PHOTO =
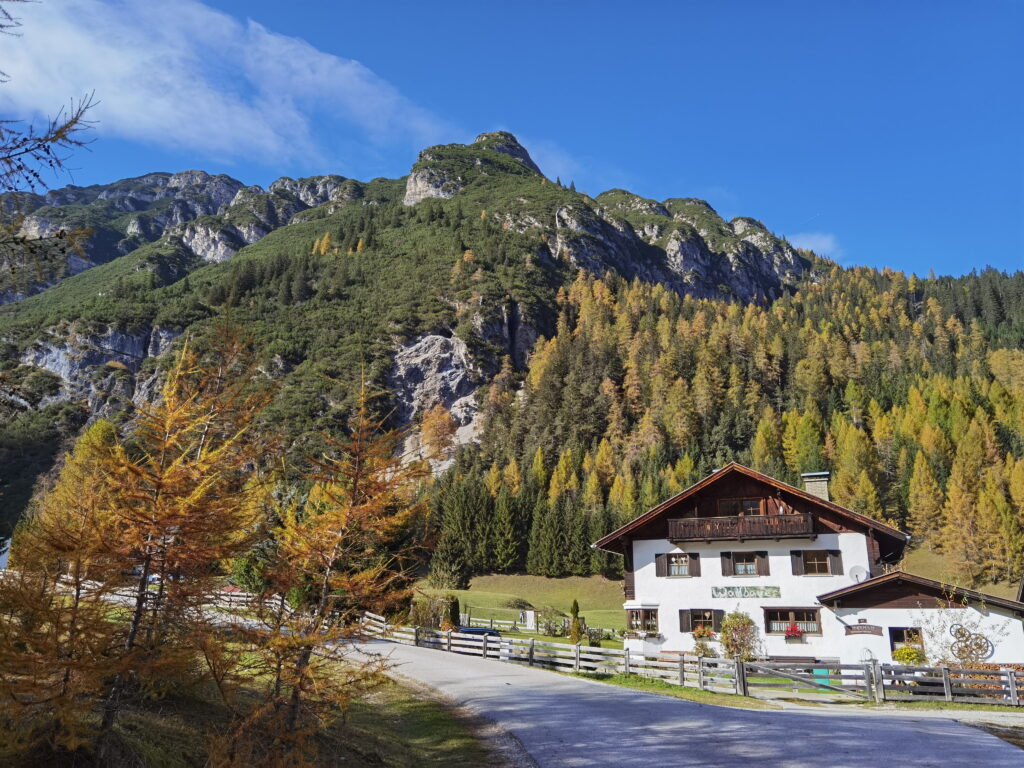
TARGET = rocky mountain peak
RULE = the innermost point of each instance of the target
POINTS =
(507, 144)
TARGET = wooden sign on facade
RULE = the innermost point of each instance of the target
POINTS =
(863, 629)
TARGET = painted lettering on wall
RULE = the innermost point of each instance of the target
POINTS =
(746, 592)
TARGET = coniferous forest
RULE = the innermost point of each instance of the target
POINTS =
(911, 391)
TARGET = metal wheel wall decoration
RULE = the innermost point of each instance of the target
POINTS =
(970, 646)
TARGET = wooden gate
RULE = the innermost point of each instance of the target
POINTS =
(850, 679)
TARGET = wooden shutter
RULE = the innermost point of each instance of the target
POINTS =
(796, 556)
(835, 562)
(694, 563)
(761, 563)
(716, 617)
(727, 569)
(629, 579)
(661, 565)
(685, 621)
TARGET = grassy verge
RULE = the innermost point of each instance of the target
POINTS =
(653, 685)
(489, 597)
(393, 726)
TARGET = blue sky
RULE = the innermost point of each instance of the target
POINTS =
(880, 133)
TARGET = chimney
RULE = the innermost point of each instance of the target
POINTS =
(816, 484)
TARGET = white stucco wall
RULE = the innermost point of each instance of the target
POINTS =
(1005, 631)
(670, 594)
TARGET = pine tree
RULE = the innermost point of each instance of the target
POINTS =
(506, 533)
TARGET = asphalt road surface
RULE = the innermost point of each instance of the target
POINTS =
(565, 721)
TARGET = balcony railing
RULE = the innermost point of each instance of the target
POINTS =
(746, 527)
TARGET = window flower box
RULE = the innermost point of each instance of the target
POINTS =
(794, 633)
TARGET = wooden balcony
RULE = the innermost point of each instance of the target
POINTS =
(747, 527)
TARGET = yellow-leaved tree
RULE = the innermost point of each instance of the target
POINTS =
(346, 545)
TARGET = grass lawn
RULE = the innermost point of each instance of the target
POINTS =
(933, 565)
(488, 597)
(564, 640)
(653, 685)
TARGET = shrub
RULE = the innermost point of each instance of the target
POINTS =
(739, 636)
(910, 655)
(518, 604)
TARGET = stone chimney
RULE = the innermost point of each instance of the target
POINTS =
(816, 484)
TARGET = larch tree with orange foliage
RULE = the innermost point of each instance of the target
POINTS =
(347, 545)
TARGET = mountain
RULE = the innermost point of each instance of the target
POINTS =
(425, 283)
(597, 353)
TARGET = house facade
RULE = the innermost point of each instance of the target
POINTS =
(817, 579)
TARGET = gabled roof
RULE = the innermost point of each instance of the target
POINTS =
(731, 468)
(929, 585)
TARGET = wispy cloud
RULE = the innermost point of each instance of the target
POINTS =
(822, 243)
(181, 75)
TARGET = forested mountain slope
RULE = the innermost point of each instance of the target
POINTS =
(423, 283)
(605, 351)
(910, 391)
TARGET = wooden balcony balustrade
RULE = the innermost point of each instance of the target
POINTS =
(744, 527)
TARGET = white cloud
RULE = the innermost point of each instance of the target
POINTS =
(181, 75)
(822, 243)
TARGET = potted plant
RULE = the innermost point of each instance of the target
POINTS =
(793, 633)
(702, 636)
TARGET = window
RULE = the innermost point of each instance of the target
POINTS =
(677, 564)
(816, 562)
(744, 564)
(777, 620)
(643, 620)
(700, 618)
(739, 507)
(900, 637)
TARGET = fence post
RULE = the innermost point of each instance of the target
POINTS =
(700, 672)
(947, 688)
(1011, 681)
(416, 636)
(682, 669)
(869, 690)
(484, 647)
(876, 669)
(531, 651)
(576, 659)
(449, 641)
(625, 662)
(740, 677)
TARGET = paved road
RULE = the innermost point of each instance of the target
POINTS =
(564, 721)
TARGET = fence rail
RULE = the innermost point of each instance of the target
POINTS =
(862, 681)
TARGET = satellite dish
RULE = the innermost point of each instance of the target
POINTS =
(858, 573)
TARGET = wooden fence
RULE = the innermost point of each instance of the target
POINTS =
(869, 681)
(709, 674)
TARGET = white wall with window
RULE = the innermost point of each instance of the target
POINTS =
(930, 627)
(776, 583)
